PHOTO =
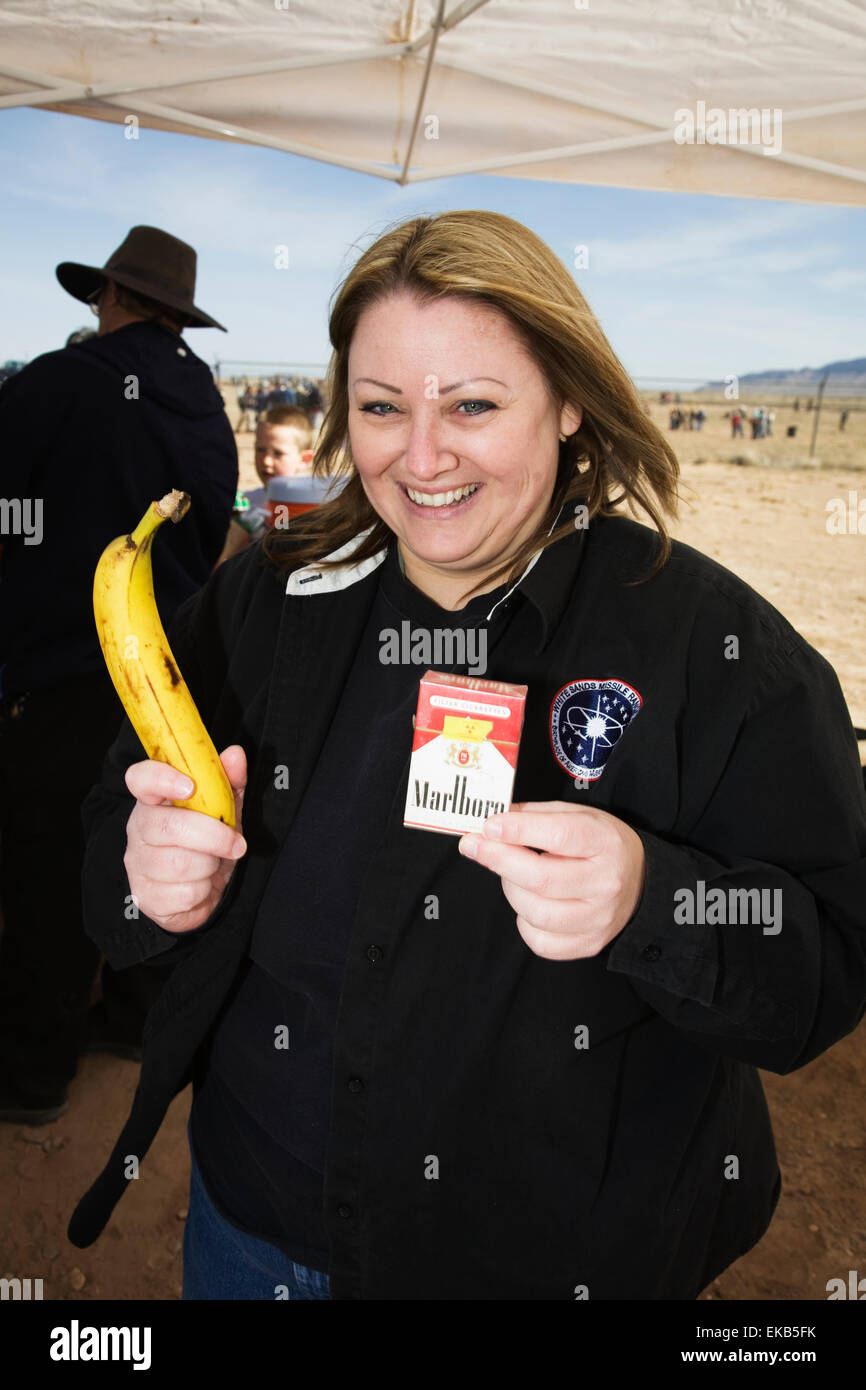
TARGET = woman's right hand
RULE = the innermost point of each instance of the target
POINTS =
(179, 861)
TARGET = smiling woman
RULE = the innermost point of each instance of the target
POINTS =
(462, 482)
(473, 395)
(512, 1065)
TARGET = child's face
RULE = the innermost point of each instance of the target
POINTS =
(278, 452)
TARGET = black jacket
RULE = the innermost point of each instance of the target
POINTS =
(97, 432)
(563, 1170)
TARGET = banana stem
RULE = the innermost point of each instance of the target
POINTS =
(172, 507)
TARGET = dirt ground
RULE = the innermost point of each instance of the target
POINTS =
(767, 522)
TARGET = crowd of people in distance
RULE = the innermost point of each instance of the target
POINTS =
(695, 419)
(256, 401)
(760, 420)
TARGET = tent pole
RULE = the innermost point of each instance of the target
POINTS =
(254, 137)
(450, 21)
(508, 161)
(71, 91)
(803, 161)
(838, 108)
(437, 23)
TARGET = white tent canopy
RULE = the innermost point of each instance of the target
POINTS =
(749, 98)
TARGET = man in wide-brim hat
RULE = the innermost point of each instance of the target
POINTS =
(156, 269)
(90, 436)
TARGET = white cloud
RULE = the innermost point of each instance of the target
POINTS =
(758, 241)
(840, 279)
(750, 339)
(236, 208)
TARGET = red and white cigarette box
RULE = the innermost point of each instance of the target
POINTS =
(464, 754)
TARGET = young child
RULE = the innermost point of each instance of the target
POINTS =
(284, 447)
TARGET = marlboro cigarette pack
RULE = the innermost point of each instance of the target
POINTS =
(464, 754)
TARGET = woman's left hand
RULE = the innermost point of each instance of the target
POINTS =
(580, 891)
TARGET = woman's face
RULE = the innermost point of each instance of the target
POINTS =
(455, 436)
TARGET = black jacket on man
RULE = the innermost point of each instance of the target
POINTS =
(598, 1126)
(97, 432)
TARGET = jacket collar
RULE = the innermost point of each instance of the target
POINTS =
(547, 580)
(550, 584)
(313, 580)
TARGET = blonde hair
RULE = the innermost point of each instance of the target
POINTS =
(291, 417)
(485, 257)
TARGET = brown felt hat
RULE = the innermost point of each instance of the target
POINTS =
(148, 261)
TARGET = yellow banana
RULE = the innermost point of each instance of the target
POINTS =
(142, 666)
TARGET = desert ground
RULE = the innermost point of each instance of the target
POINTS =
(764, 518)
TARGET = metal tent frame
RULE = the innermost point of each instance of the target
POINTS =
(47, 90)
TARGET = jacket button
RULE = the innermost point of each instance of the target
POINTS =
(344, 1211)
(355, 1083)
(374, 953)
(652, 951)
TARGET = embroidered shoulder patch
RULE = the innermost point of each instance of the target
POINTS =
(587, 720)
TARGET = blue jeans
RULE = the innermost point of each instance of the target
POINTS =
(219, 1261)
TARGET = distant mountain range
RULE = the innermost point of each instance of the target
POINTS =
(845, 379)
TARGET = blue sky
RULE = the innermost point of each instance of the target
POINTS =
(685, 286)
